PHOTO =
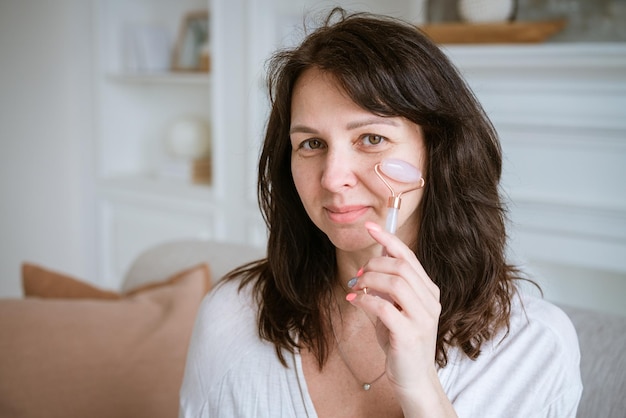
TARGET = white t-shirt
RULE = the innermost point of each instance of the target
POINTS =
(532, 372)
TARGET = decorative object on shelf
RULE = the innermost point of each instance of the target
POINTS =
(146, 48)
(188, 143)
(493, 33)
(439, 11)
(191, 52)
(486, 11)
(189, 137)
(559, 20)
(205, 58)
(485, 21)
(588, 20)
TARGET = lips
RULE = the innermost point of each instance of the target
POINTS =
(346, 214)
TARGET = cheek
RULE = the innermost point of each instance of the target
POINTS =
(303, 177)
(411, 205)
(410, 216)
(377, 187)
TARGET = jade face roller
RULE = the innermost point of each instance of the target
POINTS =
(401, 172)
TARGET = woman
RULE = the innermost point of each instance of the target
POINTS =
(327, 325)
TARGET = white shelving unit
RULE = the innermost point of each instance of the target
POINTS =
(134, 108)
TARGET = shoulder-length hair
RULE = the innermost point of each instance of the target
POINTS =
(389, 68)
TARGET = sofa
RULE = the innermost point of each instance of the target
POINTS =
(71, 349)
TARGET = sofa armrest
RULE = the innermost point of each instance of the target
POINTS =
(602, 339)
(164, 260)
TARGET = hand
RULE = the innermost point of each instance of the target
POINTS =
(407, 313)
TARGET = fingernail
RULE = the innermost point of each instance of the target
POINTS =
(352, 282)
(373, 226)
(350, 297)
(360, 272)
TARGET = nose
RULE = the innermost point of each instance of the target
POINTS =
(339, 171)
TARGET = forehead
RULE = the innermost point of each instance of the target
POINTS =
(312, 79)
(319, 93)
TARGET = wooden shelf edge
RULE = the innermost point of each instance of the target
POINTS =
(494, 33)
(173, 77)
(147, 185)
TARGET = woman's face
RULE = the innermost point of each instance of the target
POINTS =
(335, 146)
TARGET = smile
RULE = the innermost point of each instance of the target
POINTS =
(346, 214)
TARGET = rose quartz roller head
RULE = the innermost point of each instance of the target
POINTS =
(398, 171)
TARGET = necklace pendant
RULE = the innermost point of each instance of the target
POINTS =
(366, 386)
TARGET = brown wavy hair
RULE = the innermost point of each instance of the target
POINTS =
(390, 68)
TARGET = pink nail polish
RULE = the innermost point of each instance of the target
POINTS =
(360, 272)
(350, 297)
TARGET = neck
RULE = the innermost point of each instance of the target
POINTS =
(348, 263)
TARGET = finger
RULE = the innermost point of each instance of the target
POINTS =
(376, 307)
(400, 328)
(397, 249)
(424, 322)
(394, 247)
(393, 279)
(405, 294)
(388, 273)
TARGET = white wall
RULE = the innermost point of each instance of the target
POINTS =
(45, 139)
(560, 110)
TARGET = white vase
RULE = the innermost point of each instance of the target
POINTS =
(484, 11)
(188, 137)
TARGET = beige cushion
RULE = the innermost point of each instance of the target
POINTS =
(96, 357)
(41, 282)
(164, 259)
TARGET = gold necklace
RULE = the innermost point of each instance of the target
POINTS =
(364, 385)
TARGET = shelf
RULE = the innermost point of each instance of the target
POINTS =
(161, 78)
(493, 33)
(605, 61)
(145, 186)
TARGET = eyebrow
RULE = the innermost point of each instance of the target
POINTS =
(376, 120)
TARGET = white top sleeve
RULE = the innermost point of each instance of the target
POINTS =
(533, 371)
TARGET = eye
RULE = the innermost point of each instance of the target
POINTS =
(312, 144)
(371, 139)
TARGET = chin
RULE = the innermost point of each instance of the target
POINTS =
(352, 240)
